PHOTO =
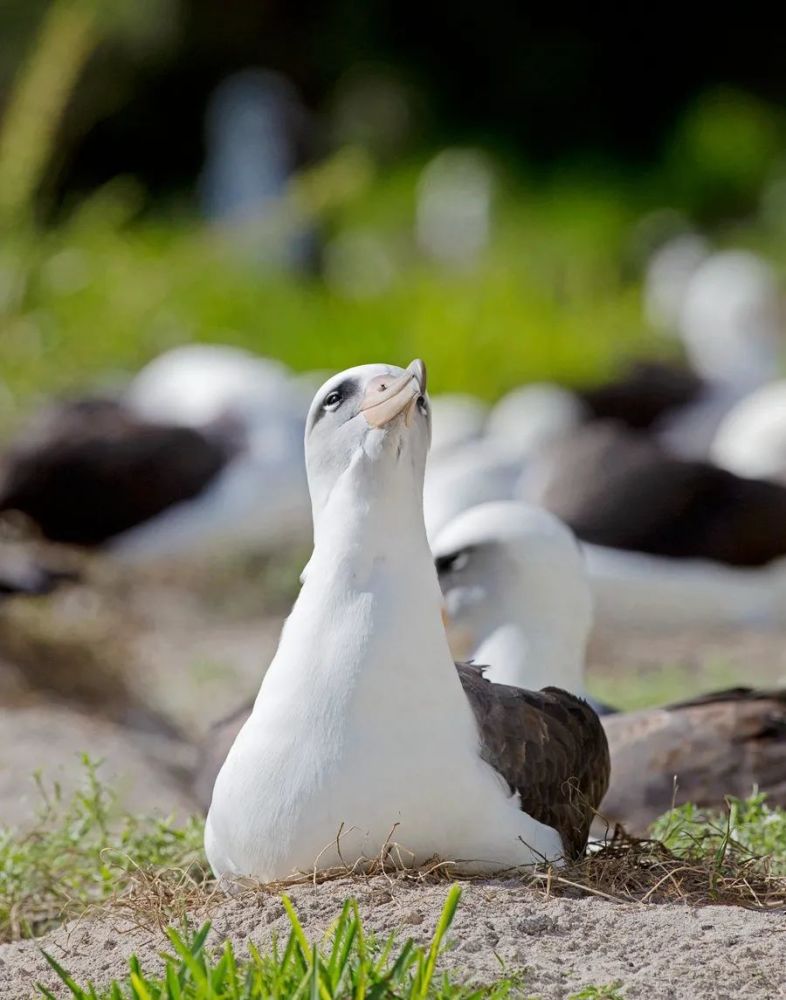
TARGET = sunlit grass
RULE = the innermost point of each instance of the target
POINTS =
(350, 965)
(81, 852)
(100, 294)
(752, 824)
(670, 682)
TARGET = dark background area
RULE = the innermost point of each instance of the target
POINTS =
(540, 88)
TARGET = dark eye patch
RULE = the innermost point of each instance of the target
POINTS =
(345, 389)
(451, 561)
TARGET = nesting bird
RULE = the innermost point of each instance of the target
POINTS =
(516, 594)
(622, 490)
(364, 729)
(203, 448)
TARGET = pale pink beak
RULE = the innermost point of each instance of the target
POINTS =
(386, 397)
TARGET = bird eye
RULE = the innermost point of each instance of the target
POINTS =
(423, 405)
(452, 563)
(332, 401)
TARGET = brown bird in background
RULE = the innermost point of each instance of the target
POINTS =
(720, 744)
(621, 490)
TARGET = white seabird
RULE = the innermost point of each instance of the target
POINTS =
(474, 472)
(489, 467)
(751, 439)
(516, 595)
(731, 324)
(515, 590)
(456, 417)
(260, 495)
(204, 448)
(364, 731)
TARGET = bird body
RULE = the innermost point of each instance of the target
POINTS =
(89, 469)
(364, 733)
(202, 450)
(727, 743)
(619, 489)
(638, 589)
(724, 743)
(516, 594)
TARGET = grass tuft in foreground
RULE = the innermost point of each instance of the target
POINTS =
(81, 853)
(349, 964)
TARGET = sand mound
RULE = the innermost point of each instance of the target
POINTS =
(666, 951)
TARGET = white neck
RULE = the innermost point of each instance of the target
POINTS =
(530, 652)
(366, 626)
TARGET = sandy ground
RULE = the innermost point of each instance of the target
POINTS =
(559, 945)
(693, 659)
(145, 771)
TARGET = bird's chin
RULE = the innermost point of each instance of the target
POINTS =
(390, 441)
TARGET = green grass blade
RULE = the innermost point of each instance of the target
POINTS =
(346, 933)
(293, 955)
(141, 992)
(314, 993)
(233, 986)
(297, 927)
(173, 984)
(361, 970)
(65, 977)
(445, 920)
(189, 955)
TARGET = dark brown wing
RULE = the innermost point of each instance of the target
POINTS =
(719, 744)
(645, 392)
(727, 695)
(619, 489)
(549, 746)
(89, 469)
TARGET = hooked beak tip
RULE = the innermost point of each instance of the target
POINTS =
(385, 399)
(418, 369)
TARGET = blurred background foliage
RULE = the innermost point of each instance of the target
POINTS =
(586, 152)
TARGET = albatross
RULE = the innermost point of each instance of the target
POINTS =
(201, 449)
(516, 593)
(365, 731)
(618, 489)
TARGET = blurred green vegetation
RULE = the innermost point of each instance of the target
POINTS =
(102, 292)
(659, 685)
(556, 294)
(114, 278)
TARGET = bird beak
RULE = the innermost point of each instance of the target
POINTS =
(460, 639)
(385, 399)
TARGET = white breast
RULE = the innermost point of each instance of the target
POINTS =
(361, 725)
